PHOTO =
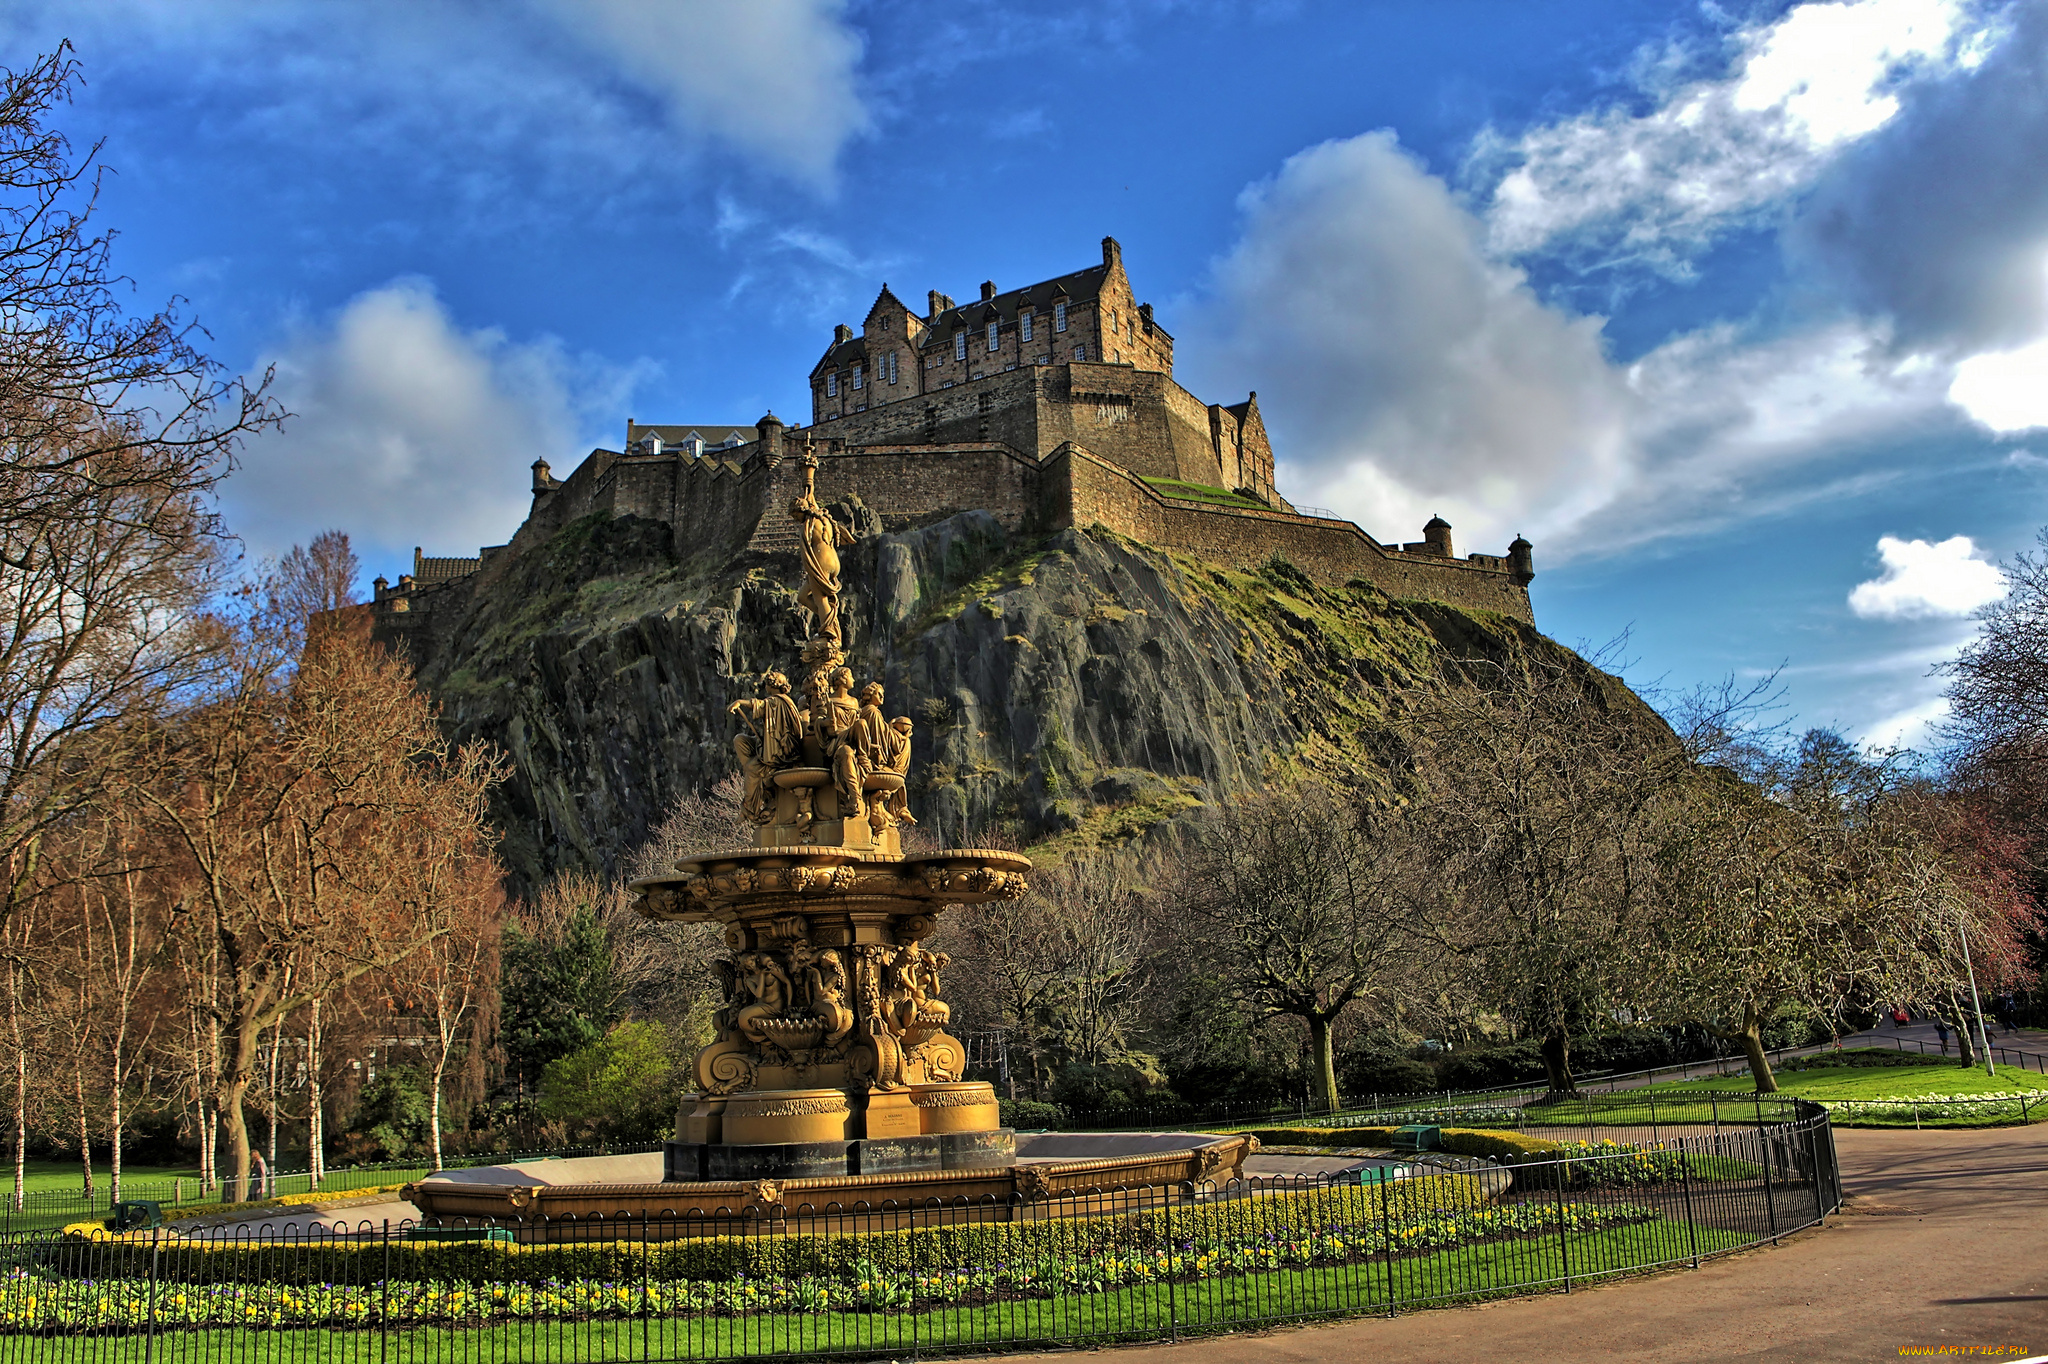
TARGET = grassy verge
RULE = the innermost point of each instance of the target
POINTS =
(1151, 1310)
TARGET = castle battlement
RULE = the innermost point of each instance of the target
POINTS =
(1050, 406)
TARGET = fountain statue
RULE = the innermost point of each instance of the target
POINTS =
(831, 1055)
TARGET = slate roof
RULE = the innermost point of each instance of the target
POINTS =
(710, 435)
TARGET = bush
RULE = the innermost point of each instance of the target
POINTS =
(393, 1118)
(1491, 1067)
(621, 1087)
(1030, 1113)
(1363, 1072)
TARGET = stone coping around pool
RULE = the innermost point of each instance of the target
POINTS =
(1051, 1166)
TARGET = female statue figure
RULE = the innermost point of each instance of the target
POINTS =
(778, 742)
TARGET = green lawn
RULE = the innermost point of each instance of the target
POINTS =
(69, 1177)
(1150, 1311)
(1874, 1082)
(1203, 492)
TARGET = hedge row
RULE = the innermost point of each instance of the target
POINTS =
(789, 1252)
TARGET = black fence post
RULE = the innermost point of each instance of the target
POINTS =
(384, 1300)
(1692, 1226)
(1172, 1288)
(149, 1340)
(1564, 1248)
(1763, 1145)
(1387, 1234)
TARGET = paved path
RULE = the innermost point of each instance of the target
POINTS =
(1947, 1246)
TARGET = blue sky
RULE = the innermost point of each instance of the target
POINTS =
(1738, 311)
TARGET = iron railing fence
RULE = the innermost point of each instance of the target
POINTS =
(891, 1280)
(48, 1209)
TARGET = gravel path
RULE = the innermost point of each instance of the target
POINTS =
(1943, 1246)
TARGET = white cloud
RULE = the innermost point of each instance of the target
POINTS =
(1410, 373)
(1657, 185)
(2004, 391)
(771, 77)
(1911, 727)
(1415, 374)
(1924, 578)
(408, 429)
(499, 106)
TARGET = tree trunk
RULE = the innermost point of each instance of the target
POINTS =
(1326, 1062)
(1966, 1044)
(1752, 1040)
(316, 1162)
(20, 1085)
(84, 1130)
(114, 1123)
(1557, 1062)
(439, 1066)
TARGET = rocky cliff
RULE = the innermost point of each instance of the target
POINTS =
(1078, 686)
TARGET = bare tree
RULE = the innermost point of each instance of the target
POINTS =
(1998, 687)
(1297, 901)
(1541, 784)
(1062, 970)
(114, 430)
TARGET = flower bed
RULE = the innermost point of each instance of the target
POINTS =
(2015, 1105)
(39, 1301)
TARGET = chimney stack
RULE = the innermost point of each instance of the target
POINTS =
(988, 290)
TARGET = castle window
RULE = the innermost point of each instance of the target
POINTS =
(856, 377)
(1024, 326)
(890, 360)
(1112, 322)
(1059, 317)
(832, 385)
(959, 345)
(993, 341)
(1080, 352)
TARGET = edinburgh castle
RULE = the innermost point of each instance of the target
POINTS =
(1050, 406)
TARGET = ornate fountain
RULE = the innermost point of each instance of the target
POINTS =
(832, 1055)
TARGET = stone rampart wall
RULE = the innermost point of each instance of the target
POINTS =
(1081, 490)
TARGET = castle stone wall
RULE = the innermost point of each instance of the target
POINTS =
(1079, 489)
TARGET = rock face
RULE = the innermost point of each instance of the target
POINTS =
(1078, 686)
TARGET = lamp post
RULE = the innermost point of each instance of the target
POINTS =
(1976, 1007)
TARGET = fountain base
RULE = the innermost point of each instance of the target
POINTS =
(689, 1162)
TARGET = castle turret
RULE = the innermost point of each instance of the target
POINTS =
(1522, 560)
(543, 478)
(771, 437)
(1437, 535)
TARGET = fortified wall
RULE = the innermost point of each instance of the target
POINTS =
(1049, 407)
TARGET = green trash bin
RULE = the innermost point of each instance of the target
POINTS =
(136, 1214)
(1418, 1137)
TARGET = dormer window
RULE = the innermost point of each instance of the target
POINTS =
(653, 444)
(832, 385)
(1059, 317)
(1024, 327)
(959, 345)
(856, 378)
(992, 341)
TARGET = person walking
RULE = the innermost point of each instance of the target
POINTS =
(1941, 1031)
